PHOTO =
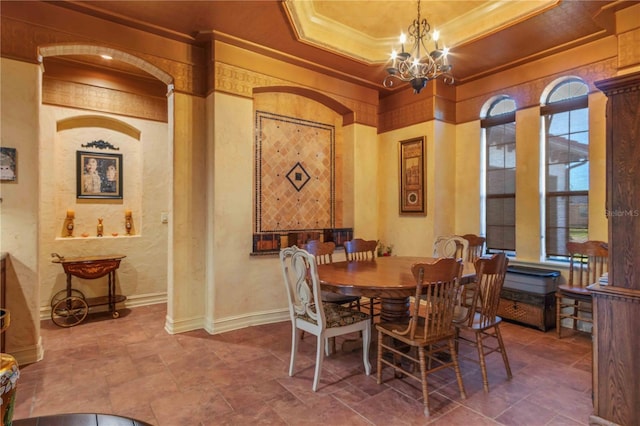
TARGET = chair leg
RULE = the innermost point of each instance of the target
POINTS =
(483, 363)
(294, 348)
(456, 367)
(319, 359)
(330, 346)
(423, 377)
(379, 363)
(366, 342)
(371, 309)
(575, 314)
(503, 351)
(558, 316)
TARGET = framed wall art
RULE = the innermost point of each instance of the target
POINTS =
(412, 173)
(8, 164)
(98, 175)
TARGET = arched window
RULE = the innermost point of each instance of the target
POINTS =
(565, 116)
(499, 221)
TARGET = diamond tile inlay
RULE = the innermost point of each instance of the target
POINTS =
(298, 177)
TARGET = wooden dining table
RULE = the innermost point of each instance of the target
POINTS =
(387, 277)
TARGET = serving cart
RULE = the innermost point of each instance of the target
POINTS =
(70, 307)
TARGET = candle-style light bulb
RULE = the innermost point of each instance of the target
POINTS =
(403, 38)
(394, 55)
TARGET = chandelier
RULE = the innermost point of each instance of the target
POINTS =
(419, 65)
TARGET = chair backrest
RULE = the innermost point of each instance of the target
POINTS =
(490, 274)
(359, 249)
(476, 246)
(587, 262)
(303, 286)
(323, 251)
(438, 287)
(451, 246)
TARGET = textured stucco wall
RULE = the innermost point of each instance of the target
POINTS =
(248, 289)
(410, 235)
(19, 208)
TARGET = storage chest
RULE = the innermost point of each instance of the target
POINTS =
(528, 296)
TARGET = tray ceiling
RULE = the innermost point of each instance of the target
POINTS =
(352, 39)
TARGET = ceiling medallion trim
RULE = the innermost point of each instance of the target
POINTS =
(490, 18)
(318, 30)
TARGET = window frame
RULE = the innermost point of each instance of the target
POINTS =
(547, 111)
(499, 119)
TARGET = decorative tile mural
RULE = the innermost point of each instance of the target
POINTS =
(294, 174)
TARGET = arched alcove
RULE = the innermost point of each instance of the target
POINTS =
(144, 146)
(98, 121)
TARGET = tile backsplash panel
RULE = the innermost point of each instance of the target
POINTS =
(295, 174)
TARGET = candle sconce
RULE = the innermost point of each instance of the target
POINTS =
(128, 222)
(67, 229)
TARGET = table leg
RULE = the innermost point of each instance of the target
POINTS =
(395, 310)
(112, 306)
(69, 285)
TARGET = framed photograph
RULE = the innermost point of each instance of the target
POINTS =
(98, 175)
(8, 164)
(412, 184)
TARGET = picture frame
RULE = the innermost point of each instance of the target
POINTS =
(8, 164)
(98, 175)
(412, 176)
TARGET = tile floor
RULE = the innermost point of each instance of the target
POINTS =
(130, 366)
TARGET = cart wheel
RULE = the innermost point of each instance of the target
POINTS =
(116, 314)
(69, 311)
(62, 294)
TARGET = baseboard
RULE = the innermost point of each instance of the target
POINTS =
(194, 323)
(182, 326)
(131, 302)
(241, 321)
(29, 354)
(599, 421)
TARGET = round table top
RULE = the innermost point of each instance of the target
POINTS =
(385, 277)
(80, 419)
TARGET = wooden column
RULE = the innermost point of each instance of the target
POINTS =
(616, 344)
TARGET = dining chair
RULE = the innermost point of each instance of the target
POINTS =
(588, 261)
(480, 322)
(323, 252)
(476, 246)
(432, 335)
(476, 250)
(451, 246)
(308, 313)
(359, 250)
